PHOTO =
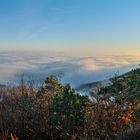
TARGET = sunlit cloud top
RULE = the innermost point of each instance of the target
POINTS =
(70, 69)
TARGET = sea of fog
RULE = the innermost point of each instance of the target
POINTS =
(75, 70)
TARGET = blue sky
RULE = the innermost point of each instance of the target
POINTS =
(107, 26)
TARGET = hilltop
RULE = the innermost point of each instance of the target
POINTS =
(120, 86)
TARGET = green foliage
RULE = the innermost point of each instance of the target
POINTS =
(68, 112)
(52, 86)
(66, 108)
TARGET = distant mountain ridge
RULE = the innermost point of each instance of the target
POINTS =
(94, 87)
(128, 84)
(2, 85)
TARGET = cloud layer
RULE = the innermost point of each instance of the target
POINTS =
(70, 69)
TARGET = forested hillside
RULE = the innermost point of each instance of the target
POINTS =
(55, 111)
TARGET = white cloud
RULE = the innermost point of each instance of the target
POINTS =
(90, 65)
(73, 70)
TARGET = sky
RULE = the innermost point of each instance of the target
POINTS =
(80, 41)
(78, 26)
